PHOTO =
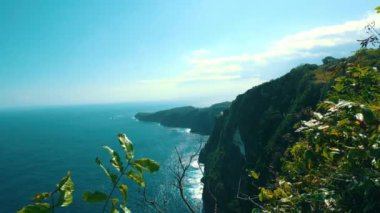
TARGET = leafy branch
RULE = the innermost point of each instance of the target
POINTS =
(336, 161)
(129, 167)
(64, 188)
(374, 35)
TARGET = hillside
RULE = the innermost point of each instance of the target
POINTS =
(259, 126)
(199, 120)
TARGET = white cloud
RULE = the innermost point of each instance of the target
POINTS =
(204, 73)
(209, 75)
(299, 44)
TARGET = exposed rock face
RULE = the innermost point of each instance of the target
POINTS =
(250, 135)
(199, 120)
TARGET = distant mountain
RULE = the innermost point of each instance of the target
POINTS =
(199, 120)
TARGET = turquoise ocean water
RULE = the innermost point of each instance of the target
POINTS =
(38, 147)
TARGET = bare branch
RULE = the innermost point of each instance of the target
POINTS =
(179, 176)
(373, 38)
(245, 197)
(152, 203)
(180, 171)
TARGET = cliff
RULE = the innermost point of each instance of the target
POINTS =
(257, 128)
(199, 120)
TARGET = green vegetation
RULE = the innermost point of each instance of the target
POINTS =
(123, 167)
(65, 189)
(133, 169)
(199, 120)
(335, 165)
(250, 134)
(258, 131)
(330, 163)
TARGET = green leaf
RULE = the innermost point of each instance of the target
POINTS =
(138, 167)
(66, 189)
(325, 153)
(40, 196)
(377, 9)
(137, 178)
(261, 197)
(148, 164)
(94, 197)
(65, 198)
(255, 210)
(124, 191)
(265, 194)
(112, 176)
(125, 209)
(279, 193)
(114, 201)
(343, 122)
(317, 148)
(36, 208)
(64, 181)
(255, 175)
(126, 144)
(115, 161)
(339, 86)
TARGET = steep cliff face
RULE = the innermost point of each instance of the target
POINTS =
(251, 134)
(199, 120)
(255, 131)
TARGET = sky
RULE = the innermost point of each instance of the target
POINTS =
(70, 52)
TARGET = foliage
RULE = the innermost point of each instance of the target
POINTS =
(199, 120)
(260, 117)
(374, 36)
(328, 59)
(64, 189)
(123, 167)
(335, 166)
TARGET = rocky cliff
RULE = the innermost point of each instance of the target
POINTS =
(199, 120)
(259, 125)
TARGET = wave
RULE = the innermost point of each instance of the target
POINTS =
(195, 185)
(184, 130)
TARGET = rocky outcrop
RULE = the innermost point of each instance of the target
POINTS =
(199, 120)
(250, 135)
(258, 127)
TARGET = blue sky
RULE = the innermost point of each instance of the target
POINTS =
(56, 52)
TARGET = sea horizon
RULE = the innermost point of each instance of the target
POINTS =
(39, 145)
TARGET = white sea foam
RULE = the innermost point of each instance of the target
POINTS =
(194, 180)
(196, 165)
(184, 130)
(196, 193)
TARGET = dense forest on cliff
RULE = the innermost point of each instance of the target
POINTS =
(199, 120)
(308, 141)
(244, 157)
(334, 164)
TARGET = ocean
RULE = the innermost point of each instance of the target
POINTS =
(38, 146)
